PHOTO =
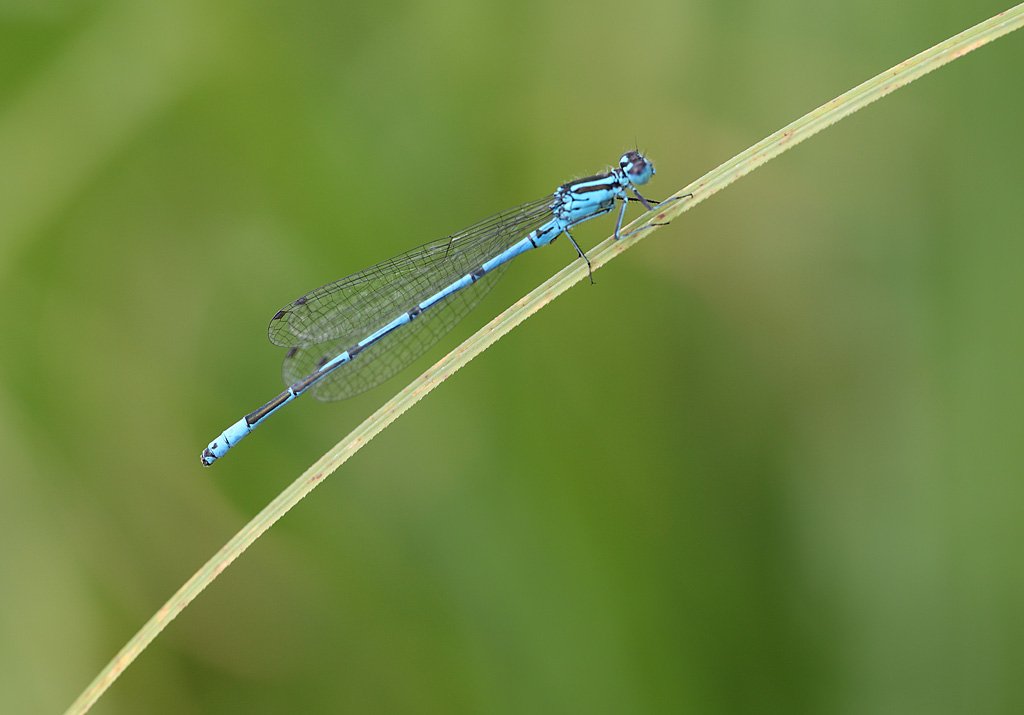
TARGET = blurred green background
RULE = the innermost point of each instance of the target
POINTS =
(771, 462)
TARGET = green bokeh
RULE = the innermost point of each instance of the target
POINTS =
(771, 462)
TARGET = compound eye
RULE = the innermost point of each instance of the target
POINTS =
(632, 158)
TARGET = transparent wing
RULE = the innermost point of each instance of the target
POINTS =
(331, 319)
(351, 308)
(391, 353)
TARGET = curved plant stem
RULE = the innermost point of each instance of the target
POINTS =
(714, 181)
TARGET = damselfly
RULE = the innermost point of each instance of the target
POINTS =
(348, 336)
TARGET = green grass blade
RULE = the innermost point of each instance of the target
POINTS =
(783, 140)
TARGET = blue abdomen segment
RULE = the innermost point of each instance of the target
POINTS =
(225, 441)
(234, 434)
(442, 294)
(374, 337)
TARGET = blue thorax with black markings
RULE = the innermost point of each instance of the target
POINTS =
(592, 196)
